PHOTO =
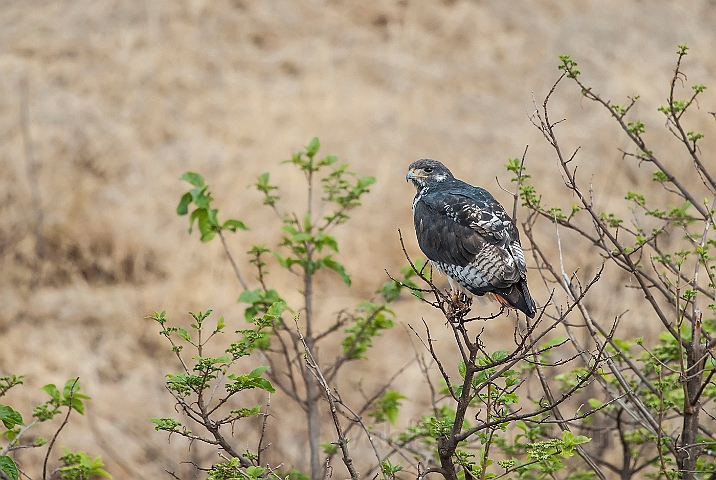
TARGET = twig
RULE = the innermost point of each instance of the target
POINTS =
(359, 420)
(316, 371)
(57, 433)
(517, 188)
(261, 448)
(561, 420)
(369, 401)
(429, 347)
(10, 446)
(231, 260)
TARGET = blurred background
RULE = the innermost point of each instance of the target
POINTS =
(105, 103)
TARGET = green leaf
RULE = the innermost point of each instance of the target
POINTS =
(198, 214)
(52, 390)
(370, 319)
(220, 324)
(287, 262)
(247, 412)
(72, 386)
(389, 406)
(302, 237)
(184, 334)
(183, 207)
(313, 146)
(264, 384)
(290, 229)
(570, 441)
(330, 160)
(636, 197)
(247, 381)
(255, 472)
(635, 128)
(10, 417)
(208, 235)
(8, 467)
(234, 225)
(168, 424)
(275, 310)
(329, 448)
(250, 296)
(323, 239)
(78, 406)
(79, 465)
(659, 176)
(206, 220)
(193, 178)
(388, 468)
(263, 180)
(257, 372)
(338, 268)
(264, 187)
(499, 355)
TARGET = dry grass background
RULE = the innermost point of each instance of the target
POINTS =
(124, 96)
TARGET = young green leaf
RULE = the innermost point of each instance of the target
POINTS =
(183, 334)
(312, 147)
(193, 178)
(52, 390)
(234, 225)
(220, 324)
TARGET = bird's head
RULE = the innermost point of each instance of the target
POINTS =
(426, 172)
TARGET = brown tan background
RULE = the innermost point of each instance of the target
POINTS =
(122, 97)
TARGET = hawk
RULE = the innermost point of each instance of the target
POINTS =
(467, 235)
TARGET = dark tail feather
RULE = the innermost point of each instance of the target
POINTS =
(517, 296)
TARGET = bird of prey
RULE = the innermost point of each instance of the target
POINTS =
(467, 235)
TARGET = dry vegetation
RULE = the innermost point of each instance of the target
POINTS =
(123, 97)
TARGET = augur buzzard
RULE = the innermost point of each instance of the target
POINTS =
(466, 234)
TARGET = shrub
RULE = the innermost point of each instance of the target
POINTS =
(527, 412)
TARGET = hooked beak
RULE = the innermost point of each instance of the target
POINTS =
(411, 175)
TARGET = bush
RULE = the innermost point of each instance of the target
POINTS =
(528, 412)
(74, 465)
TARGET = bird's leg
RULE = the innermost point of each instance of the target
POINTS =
(458, 294)
(452, 305)
(464, 303)
(458, 306)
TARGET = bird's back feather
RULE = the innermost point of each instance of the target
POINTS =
(467, 234)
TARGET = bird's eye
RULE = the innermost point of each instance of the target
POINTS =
(428, 169)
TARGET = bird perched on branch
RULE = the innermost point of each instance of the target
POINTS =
(466, 234)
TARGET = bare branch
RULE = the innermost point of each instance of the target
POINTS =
(342, 441)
